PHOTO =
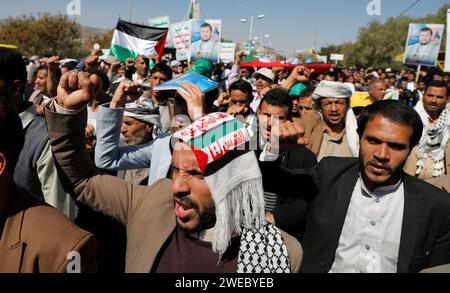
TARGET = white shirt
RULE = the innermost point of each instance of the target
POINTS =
(255, 103)
(370, 238)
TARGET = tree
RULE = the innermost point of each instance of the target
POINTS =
(377, 44)
(103, 39)
(45, 34)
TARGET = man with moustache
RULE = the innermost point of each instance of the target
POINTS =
(431, 158)
(191, 224)
(140, 125)
(368, 216)
(335, 135)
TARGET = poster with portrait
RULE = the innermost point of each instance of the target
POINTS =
(181, 38)
(205, 39)
(423, 44)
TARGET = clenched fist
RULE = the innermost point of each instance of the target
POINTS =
(76, 89)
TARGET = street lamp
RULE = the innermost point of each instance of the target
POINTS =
(252, 19)
(263, 43)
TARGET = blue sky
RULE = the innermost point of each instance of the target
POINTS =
(290, 23)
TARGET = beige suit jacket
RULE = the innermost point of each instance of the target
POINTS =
(37, 238)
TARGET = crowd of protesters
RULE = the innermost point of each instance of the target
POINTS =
(274, 171)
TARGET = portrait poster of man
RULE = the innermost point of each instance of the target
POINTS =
(423, 44)
(205, 40)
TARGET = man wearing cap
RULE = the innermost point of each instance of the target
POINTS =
(264, 80)
(110, 66)
(189, 225)
(107, 62)
(202, 67)
(301, 99)
(336, 134)
(177, 68)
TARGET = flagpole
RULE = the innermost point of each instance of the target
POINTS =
(189, 11)
(129, 9)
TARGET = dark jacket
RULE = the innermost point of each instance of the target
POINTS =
(425, 236)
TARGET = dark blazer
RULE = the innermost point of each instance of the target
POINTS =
(425, 236)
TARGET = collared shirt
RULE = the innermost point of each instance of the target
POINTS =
(205, 50)
(334, 146)
(419, 53)
(370, 238)
(255, 103)
(137, 78)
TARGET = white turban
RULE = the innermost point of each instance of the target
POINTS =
(332, 89)
(339, 90)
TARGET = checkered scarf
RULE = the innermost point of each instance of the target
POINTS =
(231, 171)
(433, 143)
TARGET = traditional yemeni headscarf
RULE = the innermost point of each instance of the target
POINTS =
(232, 174)
(143, 111)
(339, 90)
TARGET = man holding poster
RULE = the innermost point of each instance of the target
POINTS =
(423, 44)
(207, 47)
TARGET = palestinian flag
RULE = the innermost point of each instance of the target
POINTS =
(131, 40)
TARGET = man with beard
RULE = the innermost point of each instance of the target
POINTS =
(423, 52)
(207, 47)
(431, 158)
(367, 215)
(189, 225)
(264, 81)
(140, 124)
(336, 134)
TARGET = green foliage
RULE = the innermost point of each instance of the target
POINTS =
(103, 39)
(378, 44)
(44, 34)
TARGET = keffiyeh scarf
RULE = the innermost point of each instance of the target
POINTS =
(433, 143)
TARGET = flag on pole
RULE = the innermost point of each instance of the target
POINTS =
(131, 40)
(195, 11)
